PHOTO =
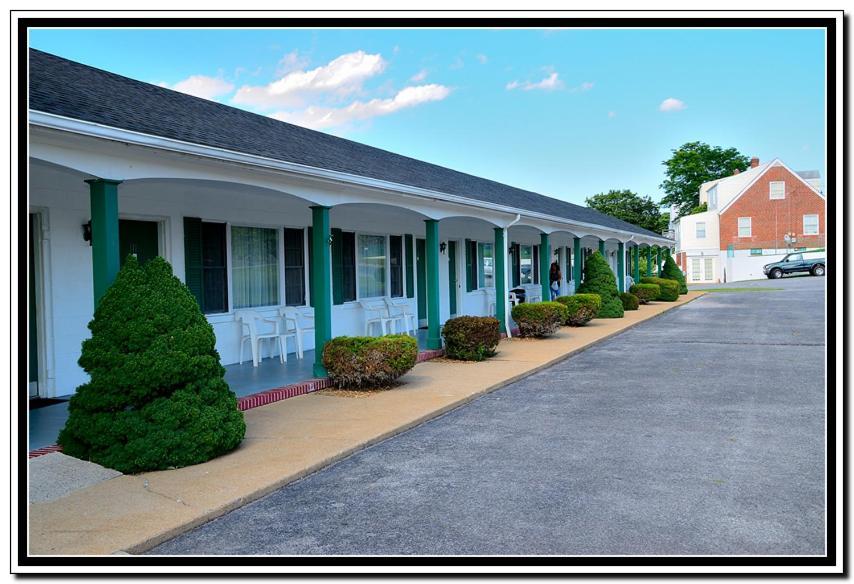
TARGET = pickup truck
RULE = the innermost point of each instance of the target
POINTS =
(812, 262)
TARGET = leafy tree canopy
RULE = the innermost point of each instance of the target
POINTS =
(691, 165)
(631, 207)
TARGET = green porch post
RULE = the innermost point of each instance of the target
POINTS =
(636, 264)
(649, 260)
(621, 266)
(104, 207)
(499, 252)
(321, 286)
(545, 265)
(602, 247)
(434, 340)
(576, 265)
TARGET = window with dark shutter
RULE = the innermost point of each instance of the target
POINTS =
(348, 267)
(536, 267)
(205, 264)
(294, 267)
(410, 267)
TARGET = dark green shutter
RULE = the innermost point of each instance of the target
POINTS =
(517, 264)
(310, 270)
(535, 264)
(469, 265)
(410, 266)
(337, 267)
(193, 258)
(481, 281)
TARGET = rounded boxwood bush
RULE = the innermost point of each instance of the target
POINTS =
(599, 279)
(629, 300)
(645, 292)
(369, 362)
(471, 338)
(672, 272)
(581, 308)
(156, 397)
(669, 289)
(539, 319)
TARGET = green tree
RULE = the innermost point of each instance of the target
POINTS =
(631, 207)
(691, 165)
(156, 397)
(599, 279)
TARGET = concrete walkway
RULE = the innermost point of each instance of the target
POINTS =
(288, 440)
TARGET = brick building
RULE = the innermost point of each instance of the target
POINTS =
(753, 218)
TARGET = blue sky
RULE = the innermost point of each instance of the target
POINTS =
(568, 113)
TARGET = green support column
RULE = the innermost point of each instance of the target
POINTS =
(499, 252)
(649, 260)
(321, 285)
(576, 265)
(636, 262)
(545, 265)
(602, 247)
(104, 206)
(434, 340)
(621, 266)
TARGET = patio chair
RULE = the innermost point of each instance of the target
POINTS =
(534, 296)
(253, 329)
(489, 293)
(376, 313)
(514, 299)
(294, 322)
(398, 308)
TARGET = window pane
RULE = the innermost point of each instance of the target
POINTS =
(371, 266)
(254, 266)
(526, 264)
(701, 230)
(214, 275)
(708, 269)
(395, 257)
(744, 225)
(810, 224)
(294, 267)
(777, 189)
(695, 269)
(487, 265)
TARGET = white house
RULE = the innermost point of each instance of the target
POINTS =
(256, 213)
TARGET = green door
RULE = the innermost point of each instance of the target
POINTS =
(33, 322)
(138, 238)
(452, 275)
(421, 269)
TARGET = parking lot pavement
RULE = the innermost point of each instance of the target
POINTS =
(698, 432)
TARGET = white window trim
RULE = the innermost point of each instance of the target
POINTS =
(749, 226)
(697, 230)
(281, 261)
(359, 296)
(531, 283)
(479, 265)
(804, 223)
(771, 191)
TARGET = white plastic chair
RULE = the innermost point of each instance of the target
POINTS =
(376, 313)
(514, 300)
(534, 295)
(293, 322)
(490, 301)
(251, 331)
(398, 309)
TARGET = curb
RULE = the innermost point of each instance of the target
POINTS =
(266, 490)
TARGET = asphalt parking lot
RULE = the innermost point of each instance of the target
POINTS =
(698, 432)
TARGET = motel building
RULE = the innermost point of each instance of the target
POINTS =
(753, 218)
(275, 224)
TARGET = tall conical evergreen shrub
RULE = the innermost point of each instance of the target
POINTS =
(156, 398)
(599, 279)
(671, 271)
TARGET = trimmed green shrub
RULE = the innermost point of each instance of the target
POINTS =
(672, 272)
(471, 338)
(156, 397)
(645, 292)
(539, 319)
(581, 308)
(669, 289)
(369, 362)
(599, 279)
(629, 300)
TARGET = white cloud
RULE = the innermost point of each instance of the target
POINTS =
(612, 114)
(481, 58)
(341, 76)
(420, 76)
(587, 86)
(201, 86)
(671, 104)
(292, 61)
(550, 83)
(318, 117)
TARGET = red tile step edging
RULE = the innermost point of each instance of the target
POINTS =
(266, 397)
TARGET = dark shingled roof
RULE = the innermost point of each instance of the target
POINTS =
(70, 89)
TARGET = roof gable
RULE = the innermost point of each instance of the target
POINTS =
(774, 163)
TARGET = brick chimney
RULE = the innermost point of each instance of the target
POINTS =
(754, 162)
(735, 172)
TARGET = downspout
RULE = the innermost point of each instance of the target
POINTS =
(507, 276)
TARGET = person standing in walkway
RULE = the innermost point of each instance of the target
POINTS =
(554, 280)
